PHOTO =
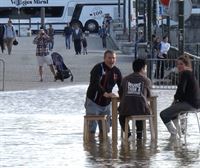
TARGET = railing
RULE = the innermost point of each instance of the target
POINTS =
(164, 74)
(2, 74)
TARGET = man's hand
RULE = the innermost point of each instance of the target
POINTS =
(109, 95)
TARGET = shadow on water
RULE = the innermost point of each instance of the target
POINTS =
(133, 154)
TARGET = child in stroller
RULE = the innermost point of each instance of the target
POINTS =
(62, 71)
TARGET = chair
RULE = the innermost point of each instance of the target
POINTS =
(88, 118)
(134, 118)
(185, 117)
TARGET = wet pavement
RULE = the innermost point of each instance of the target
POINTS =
(43, 128)
(41, 124)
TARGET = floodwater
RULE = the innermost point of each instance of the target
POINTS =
(44, 129)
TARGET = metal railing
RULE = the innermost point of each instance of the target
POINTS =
(2, 74)
(164, 74)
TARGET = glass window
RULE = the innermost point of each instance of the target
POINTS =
(31, 12)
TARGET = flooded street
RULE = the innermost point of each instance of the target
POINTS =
(44, 129)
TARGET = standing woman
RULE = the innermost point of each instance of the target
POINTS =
(187, 95)
(9, 36)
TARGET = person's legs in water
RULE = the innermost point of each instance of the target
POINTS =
(171, 113)
(122, 119)
(91, 109)
(105, 111)
(139, 125)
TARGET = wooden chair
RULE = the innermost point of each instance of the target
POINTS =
(134, 118)
(88, 118)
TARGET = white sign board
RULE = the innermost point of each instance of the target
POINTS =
(174, 8)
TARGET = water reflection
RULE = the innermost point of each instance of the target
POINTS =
(44, 128)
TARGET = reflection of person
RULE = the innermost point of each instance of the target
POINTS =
(67, 34)
(9, 36)
(42, 52)
(76, 37)
(134, 91)
(187, 95)
(103, 78)
(164, 48)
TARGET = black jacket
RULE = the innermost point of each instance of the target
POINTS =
(134, 92)
(102, 80)
(188, 89)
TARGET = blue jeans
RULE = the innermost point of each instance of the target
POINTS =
(67, 42)
(94, 109)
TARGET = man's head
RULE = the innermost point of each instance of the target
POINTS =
(109, 58)
(139, 65)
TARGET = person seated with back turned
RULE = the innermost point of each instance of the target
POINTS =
(103, 78)
(187, 96)
(133, 93)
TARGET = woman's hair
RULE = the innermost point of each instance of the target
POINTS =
(186, 60)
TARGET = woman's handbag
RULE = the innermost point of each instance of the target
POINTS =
(15, 42)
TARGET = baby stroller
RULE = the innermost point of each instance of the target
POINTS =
(62, 71)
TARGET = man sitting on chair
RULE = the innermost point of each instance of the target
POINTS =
(133, 93)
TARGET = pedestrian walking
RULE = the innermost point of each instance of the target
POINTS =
(187, 96)
(103, 78)
(77, 37)
(42, 52)
(9, 36)
(67, 33)
(84, 43)
(103, 34)
(51, 33)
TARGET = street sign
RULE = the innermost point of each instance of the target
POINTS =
(165, 2)
(174, 8)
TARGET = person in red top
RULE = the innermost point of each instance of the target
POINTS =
(103, 78)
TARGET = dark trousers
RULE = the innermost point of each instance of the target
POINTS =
(77, 46)
(2, 45)
(104, 42)
(159, 74)
(139, 124)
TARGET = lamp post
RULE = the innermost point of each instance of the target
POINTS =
(181, 38)
(119, 12)
(43, 17)
(18, 5)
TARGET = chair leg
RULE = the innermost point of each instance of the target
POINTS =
(186, 123)
(133, 128)
(152, 128)
(104, 128)
(197, 120)
(126, 129)
(144, 129)
(85, 130)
